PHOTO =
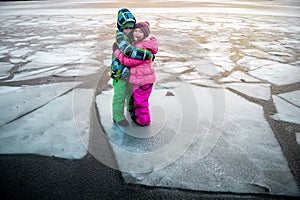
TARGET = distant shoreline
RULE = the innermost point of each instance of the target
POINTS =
(273, 8)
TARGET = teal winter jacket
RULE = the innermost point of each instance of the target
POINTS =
(125, 20)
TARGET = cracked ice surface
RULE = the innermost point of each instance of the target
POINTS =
(293, 97)
(57, 56)
(286, 111)
(259, 51)
(79, 70)
(238, 76)
(5, 69)
(18, 101)
(58, 128)
(259, 91)
(43, 52)
(257, 164)
(252, 63)
(47, 118)
(278, 74)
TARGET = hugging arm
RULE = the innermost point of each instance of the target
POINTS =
(129, 50)
(126, 60)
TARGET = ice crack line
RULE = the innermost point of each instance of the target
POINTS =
(31, 111)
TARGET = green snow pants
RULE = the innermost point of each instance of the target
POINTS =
(122, 94)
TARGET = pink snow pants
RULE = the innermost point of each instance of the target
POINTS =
(141, 94)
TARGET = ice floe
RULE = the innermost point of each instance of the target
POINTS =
(17, 60)
(259, 91)
(246, 140)
(171, 118)
(59, 128)
(238, 76)
(20, 52)
(18, 101)
(286, 111)
(5, 69)
(56, 56)
(278, 74)
(251, 63)
(261, 54)
(292, 97)
(220, 59)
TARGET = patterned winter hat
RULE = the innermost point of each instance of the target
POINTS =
(125, 19)
(128, 25)
(144, 26)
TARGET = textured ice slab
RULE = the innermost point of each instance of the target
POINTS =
(78, 71)
(207, 67)
(246, 159)
(252, 63)
(225, 64)
(58, 128)
(55, 71)
(286, 111)
(259, 91)
(68, 54)
(293, 97)
(239, 76)
(276, 56)
(37, 73)
(5, 69)
(278, 74)
(220, 59)
(18, 101)
(20, 52)
(134, 143)
(174, 67)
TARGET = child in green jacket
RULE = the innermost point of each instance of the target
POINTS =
(119, 72)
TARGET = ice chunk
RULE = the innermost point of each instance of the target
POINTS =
(259, 91)
(278, 73)
(59, 128)
(5, 69)
(20, 52)
(18, 101)
(252, 63)
(247, 156)
(293, 97)
(78, 71)
(238, 76)
(286, 111)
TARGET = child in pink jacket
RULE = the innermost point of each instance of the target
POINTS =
(142, 74)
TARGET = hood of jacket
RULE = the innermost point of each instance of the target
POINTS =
(125, 17)
(150, 44)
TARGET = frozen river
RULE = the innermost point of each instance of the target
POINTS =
(225, 107)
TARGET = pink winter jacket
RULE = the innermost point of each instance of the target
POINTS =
(141, 71)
